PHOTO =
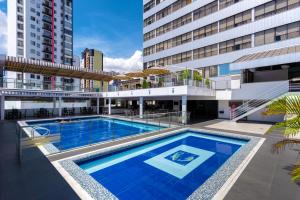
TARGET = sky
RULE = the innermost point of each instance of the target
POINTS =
(111, 26)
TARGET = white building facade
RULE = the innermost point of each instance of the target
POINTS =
(254, 43)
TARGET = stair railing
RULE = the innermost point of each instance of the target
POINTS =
(262, 99)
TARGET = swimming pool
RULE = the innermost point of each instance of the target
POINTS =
(169, 168)
(79, 132)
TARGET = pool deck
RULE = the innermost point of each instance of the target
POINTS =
(266, 176)
(36, 178)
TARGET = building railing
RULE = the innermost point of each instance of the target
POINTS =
(12, 83)
(165, 119)
(192, 83)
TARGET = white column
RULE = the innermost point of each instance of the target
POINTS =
(98, 103)
(184, 109)
(141, 105)
(109, 106)
(59, 107)
(2, 108)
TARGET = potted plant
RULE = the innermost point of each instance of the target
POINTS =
(197, 78)
(207, 82)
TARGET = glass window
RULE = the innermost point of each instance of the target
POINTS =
(281, 33)
(294, 30)
(259, 38)
(269, 36)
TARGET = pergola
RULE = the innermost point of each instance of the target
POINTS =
(23, 65)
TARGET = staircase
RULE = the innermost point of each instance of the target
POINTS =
(261, 101)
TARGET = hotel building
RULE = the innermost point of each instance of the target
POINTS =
(254, 43)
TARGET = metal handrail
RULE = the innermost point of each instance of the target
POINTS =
(262, 99)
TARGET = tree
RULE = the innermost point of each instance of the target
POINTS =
(290, 107)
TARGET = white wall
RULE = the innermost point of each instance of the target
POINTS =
(223, 106)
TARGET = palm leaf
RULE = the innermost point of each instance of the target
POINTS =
(287, 105)
(291, 127)
(279, 146)
(296, 173)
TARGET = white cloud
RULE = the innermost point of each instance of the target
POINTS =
(3, 32)
(134, 63)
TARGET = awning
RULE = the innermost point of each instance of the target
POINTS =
(19, 64)
(268, 58)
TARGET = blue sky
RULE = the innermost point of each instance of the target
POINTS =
(112, 26)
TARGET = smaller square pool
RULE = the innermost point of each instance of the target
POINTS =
(169, 168)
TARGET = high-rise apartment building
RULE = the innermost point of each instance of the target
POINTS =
(41, 30)
(213, 35)
(93, 60)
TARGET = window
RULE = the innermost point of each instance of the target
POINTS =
(182, 57)
(20, 35)
(293, 30)
(235, 21)
(275, 7)
(32, 76)
(278, 34)
(20, 18)
(206, 10)
(20, 52)
(149, 35)
(226, 3)
(149, 50)
(205, 51)
(164, 12)
(235, 44)
(164, 29)
(19, 9)
(20, 26)
(149, 20)
(206, 31)
(149, 5)
(182, 21)
(165, 61)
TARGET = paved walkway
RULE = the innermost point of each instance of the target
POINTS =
(35, 179)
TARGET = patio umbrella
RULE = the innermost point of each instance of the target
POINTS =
(136, 74)
(157, 71)
(121, 77)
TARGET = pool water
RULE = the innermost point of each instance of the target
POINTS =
(171, 168)
(82, 132)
